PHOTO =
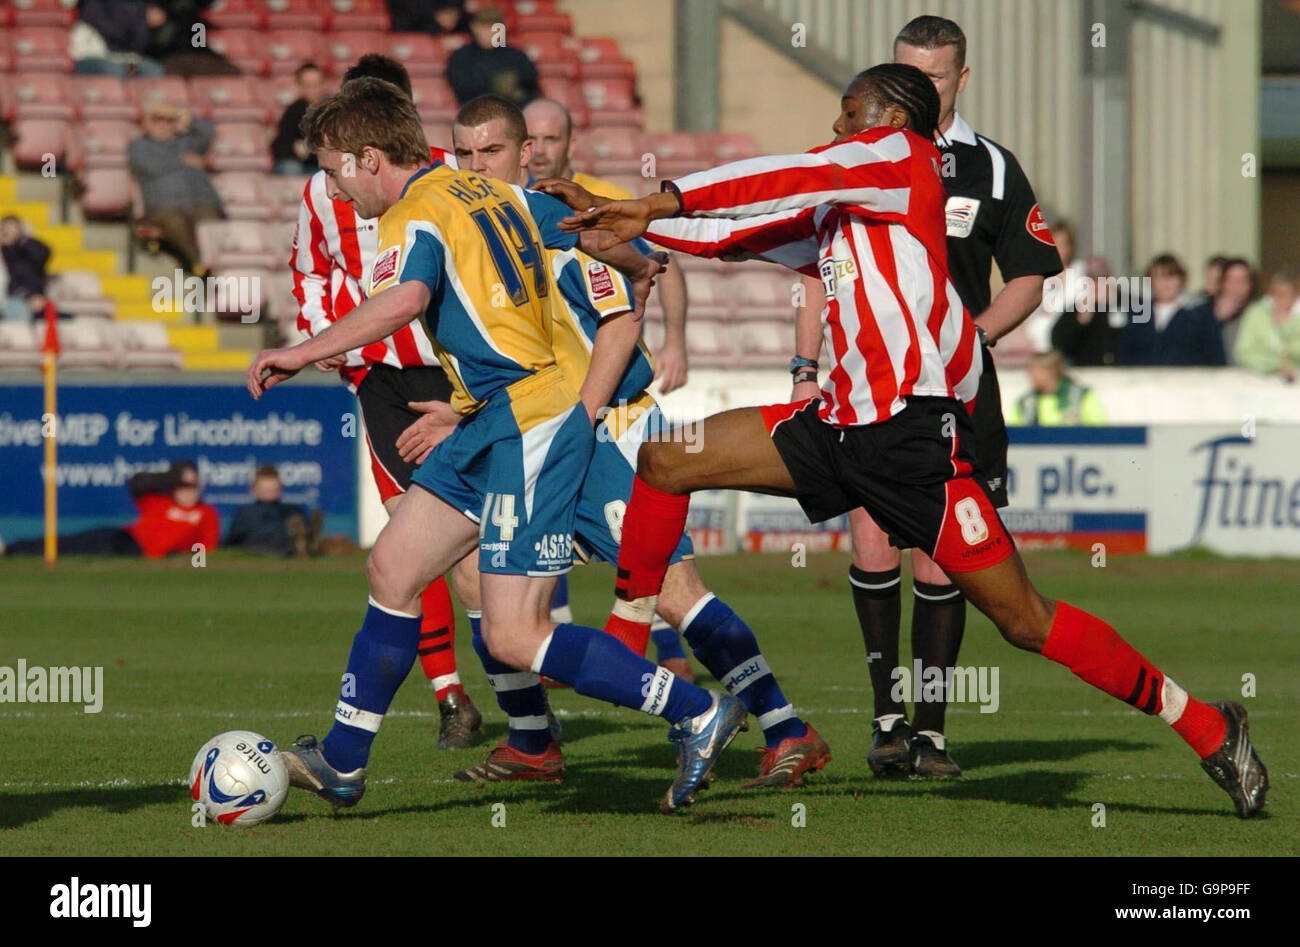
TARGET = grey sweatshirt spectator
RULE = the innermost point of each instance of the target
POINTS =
(167, 163)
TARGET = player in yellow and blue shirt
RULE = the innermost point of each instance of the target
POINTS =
(594, 305)
(464, 255)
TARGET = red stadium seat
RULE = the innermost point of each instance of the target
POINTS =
(146, 345)
(675, 153)
(358, 15)
(761, 290)
(568, 94)
(78, 292)
(288, 49)
(422, 55)
(242, 196)
(235, 243)
(100, 145)
(601, 58)
(229, 98)
(763, 343)
(612, 103)
(296, 14)
(106, 193)
(708, 295)
(41, 96)
(60, 13)
(434, 99)
(169, 89)
(721, 147)
(541, 16)
(280, 92)
(36, 140)
(40, 49)
(283, 194)
(240, 146)
(20, 344)
(87, 343)
(610, 151)
(245, 48)
(554, 55)
(344, 48)
(709, 342)
(236, 15)
(101, 98)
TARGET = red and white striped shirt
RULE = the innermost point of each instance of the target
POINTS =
(867, 216)
(333, 250)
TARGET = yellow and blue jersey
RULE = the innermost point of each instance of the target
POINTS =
(480, 247)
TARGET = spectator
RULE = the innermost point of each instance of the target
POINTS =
(1213, 276)
(1269, 340)
(1086, 334)
(172, 520)
(25, 259)
(289, 151)
(173, 40)
(1236, 292)
(111, 37)
(482, 67)
(1064, 285)
(167, 164)
(1156, 332)
(268, 524)
(422, 16)
(1054, 398)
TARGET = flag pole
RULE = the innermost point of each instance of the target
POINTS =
(50, 367)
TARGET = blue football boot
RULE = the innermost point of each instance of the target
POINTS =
(308, 770)
(700, 741)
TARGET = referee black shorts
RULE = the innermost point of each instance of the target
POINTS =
(914, 474)
(384, 394)
(991, 434)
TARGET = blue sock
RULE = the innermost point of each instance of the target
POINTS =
(382, 654)
(724, 644)
(560, 610)
(519, 695)
(668, 643)
(598, 665)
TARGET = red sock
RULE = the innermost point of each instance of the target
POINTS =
(652, 528)
(1094, 652)
(438, 639)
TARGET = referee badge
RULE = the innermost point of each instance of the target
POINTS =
(961, 213)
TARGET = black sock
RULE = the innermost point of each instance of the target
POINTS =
(938, 622)
(876, 597)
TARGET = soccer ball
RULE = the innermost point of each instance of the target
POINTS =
(239, 778)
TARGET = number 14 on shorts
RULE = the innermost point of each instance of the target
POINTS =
(499, 510)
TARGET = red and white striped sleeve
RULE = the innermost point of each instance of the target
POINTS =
(311, 266)
(788, 238)
(869, 174)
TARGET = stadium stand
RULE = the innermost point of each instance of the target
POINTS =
(86, 122)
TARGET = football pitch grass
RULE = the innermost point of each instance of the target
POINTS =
(260, 644)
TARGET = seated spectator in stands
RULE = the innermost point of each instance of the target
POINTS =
(1160, 328)
(423, 16)
(25, 259)
(1062, 286)
(1269, 340)
(1236, 291)
(482, 67)
(1213, 276)
(172, 40)
(173, 519)
(1055, 399)
(111, 37)
(289, 151)
(167, 163)
(268, 524)
(1087, 332)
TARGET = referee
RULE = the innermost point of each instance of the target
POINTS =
(992, 215)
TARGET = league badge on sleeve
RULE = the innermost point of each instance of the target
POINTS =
(961, 213)
(1037, 227)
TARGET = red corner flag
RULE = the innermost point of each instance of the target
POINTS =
(51, 346)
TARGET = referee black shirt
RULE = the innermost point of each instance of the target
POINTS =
(992, 215)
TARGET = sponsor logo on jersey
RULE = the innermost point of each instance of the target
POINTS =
(385, 267)
(1038, 228)
(961, 213)
(600, 279)
(294, 242)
